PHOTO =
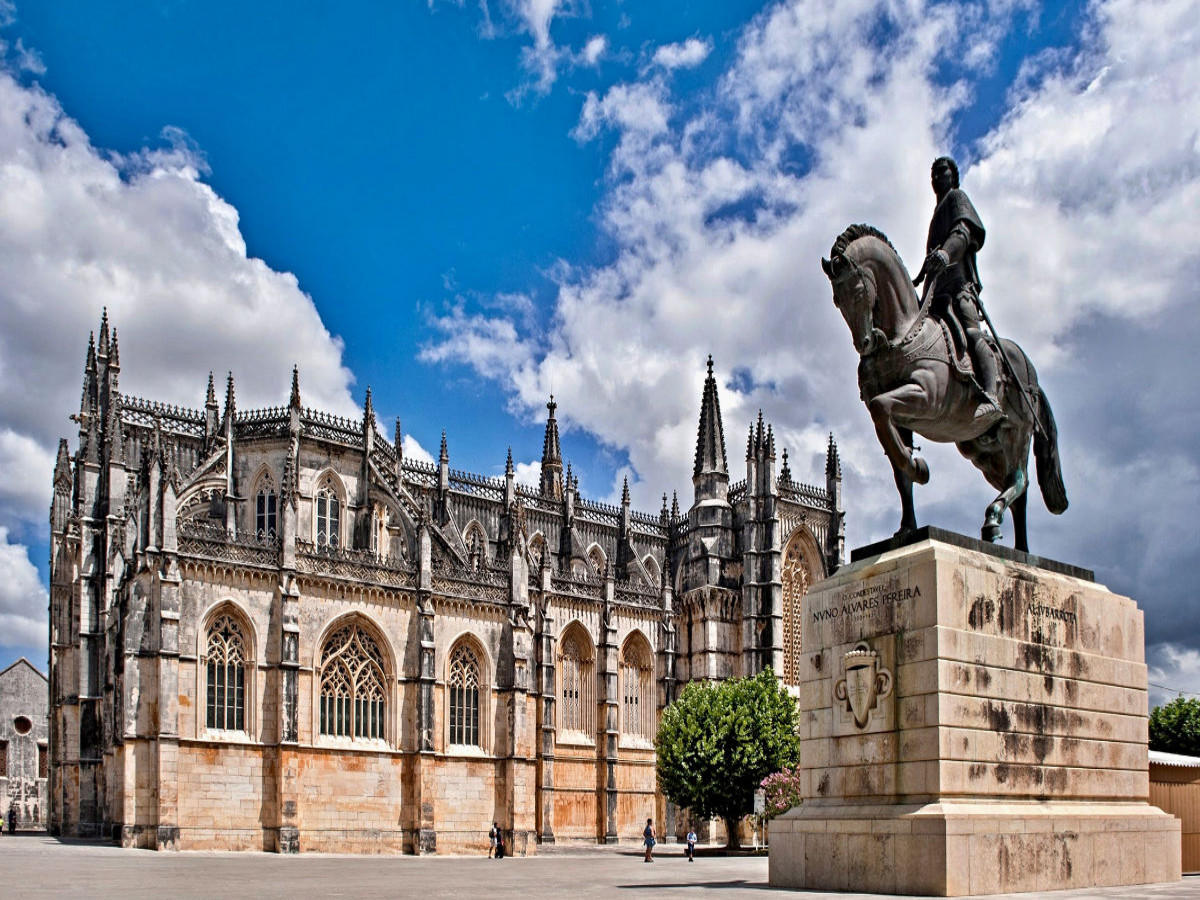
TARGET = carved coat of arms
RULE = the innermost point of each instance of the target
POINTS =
(865, 684)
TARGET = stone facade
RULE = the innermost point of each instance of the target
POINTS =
(270, 630)
(24, 707)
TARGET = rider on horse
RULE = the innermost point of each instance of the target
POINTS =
(955, 235)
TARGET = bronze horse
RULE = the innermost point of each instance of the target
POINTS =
(911, 381)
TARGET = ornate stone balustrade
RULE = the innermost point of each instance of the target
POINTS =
(208, 540)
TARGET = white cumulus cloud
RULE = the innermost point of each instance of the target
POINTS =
(684, 55)
(143, 235)
(1088, 187)
(23, 599)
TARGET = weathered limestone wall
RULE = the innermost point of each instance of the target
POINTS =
(24, 736)
(468, 798)
(226, 797)
(971, 725)
(637, 799)
(578, 813)
(350, 801)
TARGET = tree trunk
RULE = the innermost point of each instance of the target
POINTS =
(733, 838)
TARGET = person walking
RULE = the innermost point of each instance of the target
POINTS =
(493, 835)
(691, 843)
(648, 838)
(499, 843)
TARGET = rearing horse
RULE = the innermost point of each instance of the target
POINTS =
(911, 382)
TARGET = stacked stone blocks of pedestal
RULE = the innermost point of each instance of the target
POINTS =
(971, 725)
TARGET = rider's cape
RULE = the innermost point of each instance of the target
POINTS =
(956, 207)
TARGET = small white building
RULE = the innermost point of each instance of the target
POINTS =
(24, 756)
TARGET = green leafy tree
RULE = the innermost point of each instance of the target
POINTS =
(717, 742)
(1175, 728)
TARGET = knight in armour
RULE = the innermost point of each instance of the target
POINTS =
(956, 235)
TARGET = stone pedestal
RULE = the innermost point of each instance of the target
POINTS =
(971, 722)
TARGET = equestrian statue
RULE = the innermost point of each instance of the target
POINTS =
(927, 366)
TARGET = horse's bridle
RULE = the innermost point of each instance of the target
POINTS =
(850, 267)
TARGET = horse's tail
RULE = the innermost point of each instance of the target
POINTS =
(1045, 450)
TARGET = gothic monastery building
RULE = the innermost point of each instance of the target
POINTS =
(271, 630)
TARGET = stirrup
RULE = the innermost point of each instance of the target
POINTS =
(988, 413)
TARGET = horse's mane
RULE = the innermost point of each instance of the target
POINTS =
(852, 234)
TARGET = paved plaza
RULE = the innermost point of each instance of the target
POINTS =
(36, 867)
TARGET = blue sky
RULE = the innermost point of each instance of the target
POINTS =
(468, 205)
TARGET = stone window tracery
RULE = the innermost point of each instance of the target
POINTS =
(328, 514)
(637, 689)
(266, 504)
(537, 547)
(353, 698)
(797, 576)
(477, 546)
(226, 670)
(577, 703)
(464, 681)
(596, 558)
(653, 571)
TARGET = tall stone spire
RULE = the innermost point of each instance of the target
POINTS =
(294, 399)
(833, 462)
(104, 341)
(230, 406)
(835, 538)
(87, 401)
(551, 485)
(710, 475)
(211, 412)
(368, 411)
(710, 440)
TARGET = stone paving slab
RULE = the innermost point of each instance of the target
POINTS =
(36, 867)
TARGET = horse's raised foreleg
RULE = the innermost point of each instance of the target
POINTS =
(904, 484)
(1017, 482)
(884, 408)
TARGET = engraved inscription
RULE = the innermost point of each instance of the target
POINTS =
(1040, 610)
(865, 601)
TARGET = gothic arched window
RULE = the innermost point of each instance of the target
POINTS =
(353, 696)
(226, 659)
(464, 681)
(797, 575)
(266, 501)
(328, 515)
(577, 704)
(637, 688)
